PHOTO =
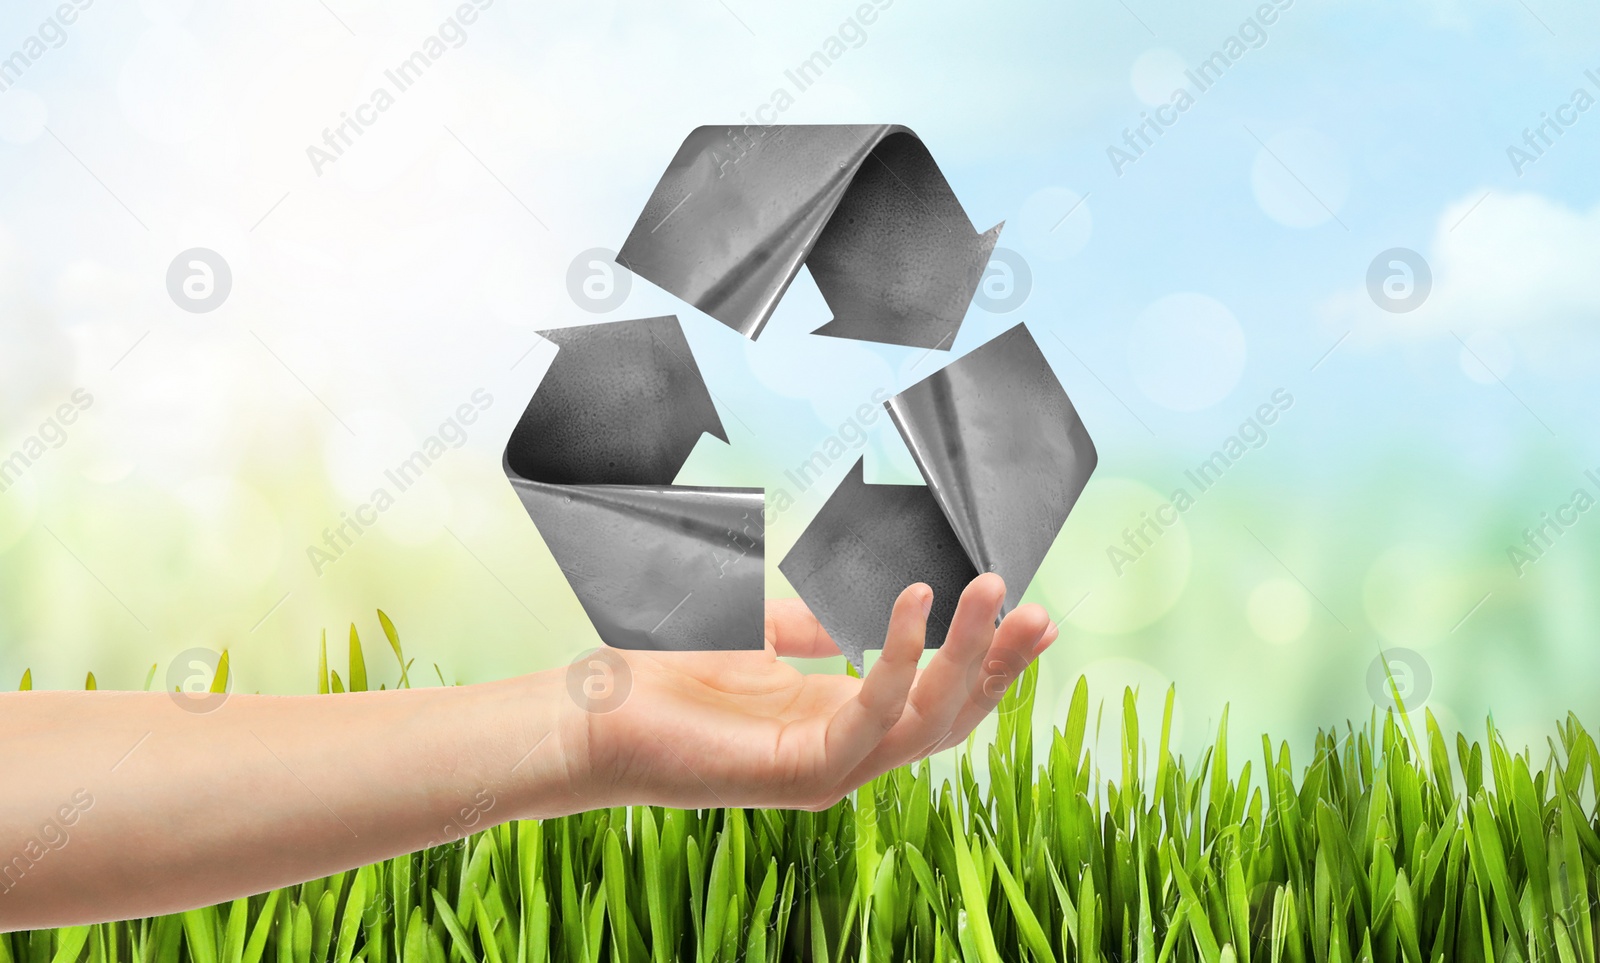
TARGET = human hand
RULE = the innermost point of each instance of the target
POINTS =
(703, 729)
(297, 787)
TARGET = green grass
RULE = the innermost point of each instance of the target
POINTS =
(1383, 846)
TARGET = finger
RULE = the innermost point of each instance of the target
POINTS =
(1045, 641)
(941, 690)
(793, 631)
(862, 722)
(1024, 633)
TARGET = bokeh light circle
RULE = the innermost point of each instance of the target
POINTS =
(1106, 586)
(1278, 610)
(1186, 351)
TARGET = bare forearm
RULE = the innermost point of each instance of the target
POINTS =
(120, 804)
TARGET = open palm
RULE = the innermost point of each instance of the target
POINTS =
(699, 729)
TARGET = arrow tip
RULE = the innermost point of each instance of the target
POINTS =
(856, 656)
(623, 403)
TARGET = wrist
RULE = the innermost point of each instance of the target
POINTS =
(551, 769)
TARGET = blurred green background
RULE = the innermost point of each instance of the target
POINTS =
(1173, 295)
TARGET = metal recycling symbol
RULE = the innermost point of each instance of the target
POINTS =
(999, 444)
(864, 208)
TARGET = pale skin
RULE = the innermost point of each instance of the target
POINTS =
(188, 809)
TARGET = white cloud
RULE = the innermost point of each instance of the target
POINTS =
(1520, 265)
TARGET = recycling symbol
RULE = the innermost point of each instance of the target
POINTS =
(1001, 449)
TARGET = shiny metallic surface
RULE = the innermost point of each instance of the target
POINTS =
(864, 207)
(864, 547)
(679, 569)
(1003, 450)
(593, 458)
(1005, 456)
(622, 404)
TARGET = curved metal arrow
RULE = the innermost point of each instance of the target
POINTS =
(869, 540)
(864, 207)
(1005, 456)
(1003, 450)
(593, 458)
